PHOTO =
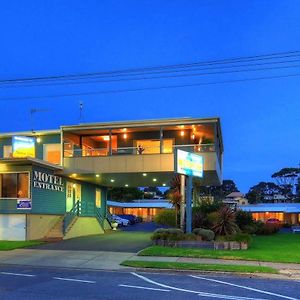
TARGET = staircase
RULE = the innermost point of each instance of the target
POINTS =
(55, 233)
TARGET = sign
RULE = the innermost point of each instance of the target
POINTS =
(42, 180)
(23, 146)
(23, 203)
(188, 163)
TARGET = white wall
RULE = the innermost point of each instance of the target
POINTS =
(13, 227)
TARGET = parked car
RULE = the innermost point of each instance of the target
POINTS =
(273, 221)
(120, 221)
(131, 218)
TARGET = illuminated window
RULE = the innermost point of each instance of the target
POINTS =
(14, 185)
(52, 153)
(98, 198)
(7, 151)
(153, 146)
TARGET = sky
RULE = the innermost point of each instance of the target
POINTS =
(260, 118)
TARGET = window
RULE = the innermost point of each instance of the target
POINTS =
(153, 146)
(7, 151)
(98, 198)
(52, 153)
(14, 185)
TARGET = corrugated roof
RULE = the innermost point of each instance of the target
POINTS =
(272, 207)
(146, 204)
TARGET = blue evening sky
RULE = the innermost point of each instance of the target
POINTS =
(260, 119)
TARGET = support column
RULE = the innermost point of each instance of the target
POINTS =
(110, 144)
(189, 189)
(182, 204)
(161, 141)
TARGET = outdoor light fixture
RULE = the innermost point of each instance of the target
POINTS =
(97, 175)
(154, 179)
(74, 175)
(125, 135)
(74, 185)
(106, 138)
(182, 133)
(126, 185)
(38, 139)
(144, 174)
(164, 184)
(193, 136)
(112, 180)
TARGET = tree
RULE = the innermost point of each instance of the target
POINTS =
(287, 178)
(260, 192)
(124, 194)
(219, 192)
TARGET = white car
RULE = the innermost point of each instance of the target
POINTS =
(120, 221)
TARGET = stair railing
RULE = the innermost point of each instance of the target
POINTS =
(71, 215)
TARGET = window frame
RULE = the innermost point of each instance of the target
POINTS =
(29, 185)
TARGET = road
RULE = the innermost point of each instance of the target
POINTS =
(19, 282)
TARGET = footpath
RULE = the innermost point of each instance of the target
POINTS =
(107, 260)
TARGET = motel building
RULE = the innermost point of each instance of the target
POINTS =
(54, 183)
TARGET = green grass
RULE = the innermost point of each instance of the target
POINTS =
(274, 248)
(199, 267)
(11, 245)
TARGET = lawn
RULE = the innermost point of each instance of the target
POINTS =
(198, 267)
(274, 248)
(11, 245)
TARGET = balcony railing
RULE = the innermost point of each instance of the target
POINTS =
(96, 152)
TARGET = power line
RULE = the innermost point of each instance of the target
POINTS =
(163, 67)
(152, 88)
(174, 76)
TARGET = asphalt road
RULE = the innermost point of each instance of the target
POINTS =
(45, 283)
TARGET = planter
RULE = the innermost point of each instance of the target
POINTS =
(114, 225)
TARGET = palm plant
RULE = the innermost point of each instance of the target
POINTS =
(174, 195)
(225, 223)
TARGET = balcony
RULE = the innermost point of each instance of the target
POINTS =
(129, 161)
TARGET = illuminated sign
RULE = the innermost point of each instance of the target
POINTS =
(42, 180)
(188, 163)
(23, 146)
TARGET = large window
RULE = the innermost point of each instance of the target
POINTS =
(14, 185)
(52, 153)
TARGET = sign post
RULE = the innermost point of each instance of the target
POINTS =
(189, 165)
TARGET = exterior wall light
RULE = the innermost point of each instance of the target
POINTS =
(144, 174)
(112, 180)
(154, 179)
(164, 184)
(182, 133)
(38, 139)
(97, 175)
(74, 185)
(126, 185)
(125, 135)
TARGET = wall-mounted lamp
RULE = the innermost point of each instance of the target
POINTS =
(182, 132)
(38, 139)
(125, 135)
(74, 185)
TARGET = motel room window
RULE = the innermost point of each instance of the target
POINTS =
(7, 151)
(52, 153)
(153, 146)
(14, 185)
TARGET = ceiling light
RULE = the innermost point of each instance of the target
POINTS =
(154, 179)
(144, 174)
(164, 184)
(38, 139)
(126, 185)
(182, 133)
(106, 137)
(74, 175)
(112, 180)
(125, 135)
(74, 185)
(97, 175)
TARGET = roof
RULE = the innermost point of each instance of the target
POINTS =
(235, 195)
(140, 204)
(29, 161)
(272, 207)
(30, 133)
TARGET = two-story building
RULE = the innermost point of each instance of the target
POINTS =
(53, 184)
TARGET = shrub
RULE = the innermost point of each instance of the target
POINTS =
(206, 234)
(242, 238)
(287, 225)
(170, 234)
(190, 237)
(267, 229)
(243, 219)
(199, 219)
(225, 224)
(250, 229)
(166, 217)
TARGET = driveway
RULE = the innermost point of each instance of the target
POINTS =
(119, 241)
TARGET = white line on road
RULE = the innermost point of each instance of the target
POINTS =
(76, 280)
(143, 288)
(202, 294)
(17, 274)
(245, 287)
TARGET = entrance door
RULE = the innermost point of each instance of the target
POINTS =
(98, 198)
(69, 196)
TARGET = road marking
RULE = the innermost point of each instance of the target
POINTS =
(199, 293)
(143, 288)
(76, 280)
(245, 287)
(17, 274)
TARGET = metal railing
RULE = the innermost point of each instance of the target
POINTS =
(71, 215)
(99, 216)
(96, 152)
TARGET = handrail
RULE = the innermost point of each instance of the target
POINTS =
(99, 216)
(71, 215)
(136, 151)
